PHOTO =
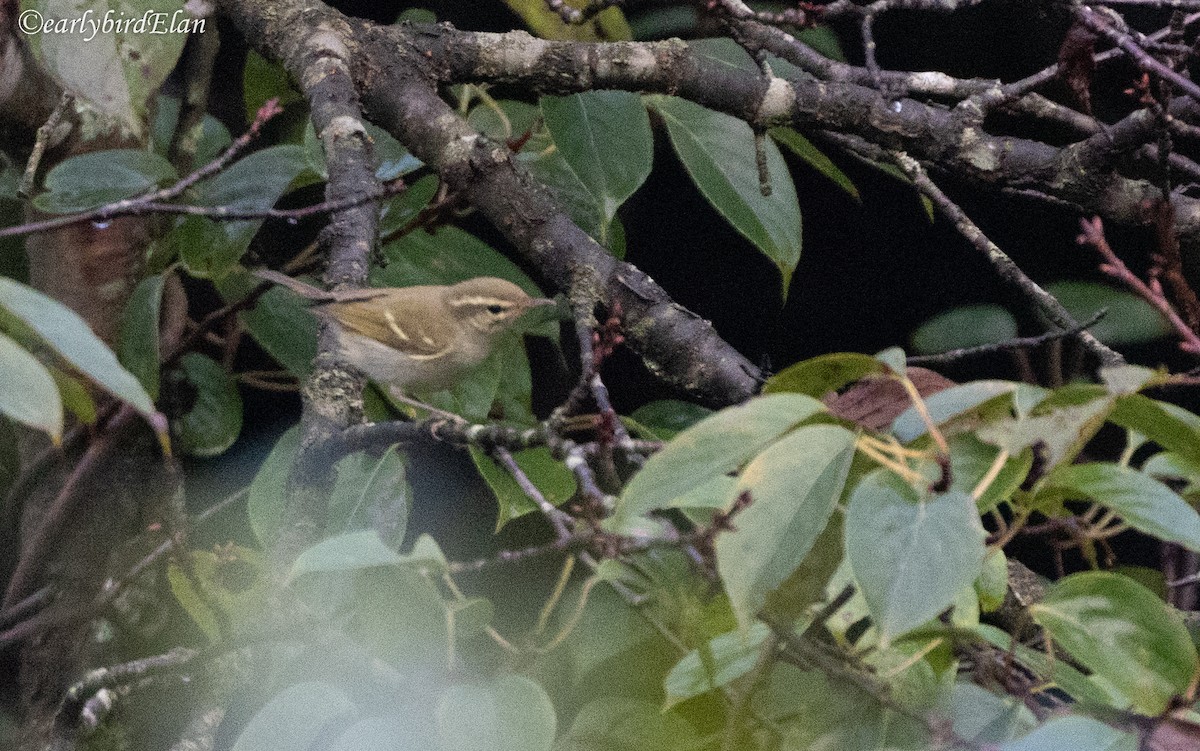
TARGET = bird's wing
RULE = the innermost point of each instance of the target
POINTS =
(396, 327)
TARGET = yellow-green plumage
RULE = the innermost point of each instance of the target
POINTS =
(422, 337)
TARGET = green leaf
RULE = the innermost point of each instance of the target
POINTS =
(214, 420)
(910, 557)
(970, 461)
(115, 68)
(468, 618)
(551, 477)
(138, 340)
(396, 613)
(1048, 668)
(212, 138)
(1129, 320)
(605, 138)
(895, 360)
(296, 718)
(815, 158)
(228, 587)
(663, 22)
(982, 717)
(1121, 632)
(253, 183)
(66, 333)
(1143, 502)
(75, 396)
(1169, 464)
(99, 177)
(992, 584)
(425, 554)
(372, 492)
(824, 40)
(1074, 731)
(506, 713)
(29, 395)
(724, 51)
(947, 404)
(1061, 431)
(392, 160)
(714, 494)
(1125, 380)
(1150, 578)
(1171, 427)
(351, 551)
(715, 446)
(264, 501)
(381, 733)
(814, 711)
(667, 417)
(820, 375)
(730, 656)
(791, 601)
(794, 485)
(508, 120)
(280, 322)
(501, 384)
(206, 251)
(718, 152)
(620, 724)
(550, 169)
(964, 327)
(264, 79)
(398, 211)
(608, 25)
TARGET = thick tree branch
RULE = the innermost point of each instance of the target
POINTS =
(399, 89)
(319, 50)
(407, 61)
(952, 140)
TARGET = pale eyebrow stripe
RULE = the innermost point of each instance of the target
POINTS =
(467, 301)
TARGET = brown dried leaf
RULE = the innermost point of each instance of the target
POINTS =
(875, 402)
(1077, 63)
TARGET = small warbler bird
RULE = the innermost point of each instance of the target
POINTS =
(422, 337)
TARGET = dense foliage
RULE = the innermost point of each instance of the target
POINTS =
(826, 557)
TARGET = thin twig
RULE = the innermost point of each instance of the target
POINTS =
(1092, 233)
(1007, 269)
(128, 206)
(43, 140)
(1022, 342)
(1136, 51)
(557, 518)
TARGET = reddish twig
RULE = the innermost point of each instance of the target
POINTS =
(1168, 265)
(1092, 233)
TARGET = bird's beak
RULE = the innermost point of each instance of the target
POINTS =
(553, 310)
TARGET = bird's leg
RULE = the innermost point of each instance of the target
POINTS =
(399, 396)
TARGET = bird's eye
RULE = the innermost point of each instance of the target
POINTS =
(495, 309)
